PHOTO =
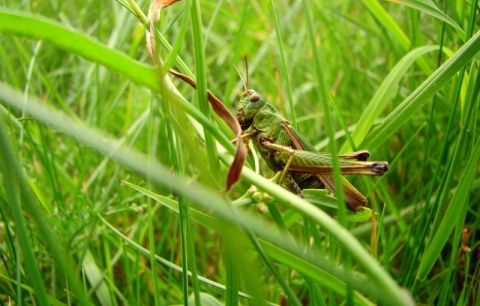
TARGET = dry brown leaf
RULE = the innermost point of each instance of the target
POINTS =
(221, 111)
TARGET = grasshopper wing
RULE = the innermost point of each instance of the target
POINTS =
(301, 143)
(298, 141)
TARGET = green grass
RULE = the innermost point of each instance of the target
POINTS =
(112, 179)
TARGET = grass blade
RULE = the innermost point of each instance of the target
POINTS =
(384, 95)
(428, 7)
(74, 41)
(459, 200)
(423, 93)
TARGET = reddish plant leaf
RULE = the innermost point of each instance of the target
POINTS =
(221, 111)
(164, 3)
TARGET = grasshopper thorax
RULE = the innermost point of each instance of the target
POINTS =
(249, 105)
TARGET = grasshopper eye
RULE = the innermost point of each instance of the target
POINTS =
(254, 97)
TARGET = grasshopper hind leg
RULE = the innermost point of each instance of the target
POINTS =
(354, 199)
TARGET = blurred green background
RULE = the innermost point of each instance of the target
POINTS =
(82, 110)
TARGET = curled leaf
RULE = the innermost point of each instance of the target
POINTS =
(221, 111)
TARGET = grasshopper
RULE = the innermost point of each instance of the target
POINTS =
(284, 149)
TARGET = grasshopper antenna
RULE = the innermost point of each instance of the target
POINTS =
(243, 81)
(245, 84)
(246, 71)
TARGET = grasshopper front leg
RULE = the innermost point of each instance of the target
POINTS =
(246, 135)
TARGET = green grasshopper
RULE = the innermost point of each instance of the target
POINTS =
(284, 149)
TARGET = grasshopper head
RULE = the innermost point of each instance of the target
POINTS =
(249, 105)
